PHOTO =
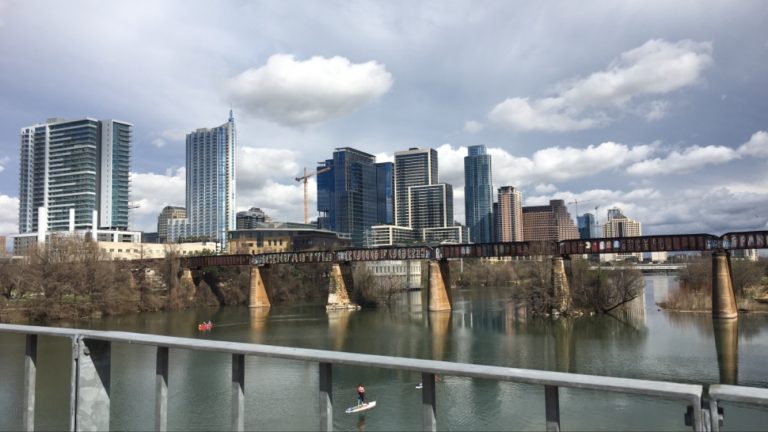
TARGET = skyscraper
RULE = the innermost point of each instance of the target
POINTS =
(326, 199)
(549, 222)
(413, 167)
(168, 213)
(73, 168)
(385, 193)
(586, 224)
(478, 194)
(431, 206)
(355, 192)
(211, 181)
(510, 214)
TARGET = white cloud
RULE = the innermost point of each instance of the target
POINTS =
(544, 188)
(295, 93)
(473, 126)
(679, 162)
(655, 68)
(152, 192)
(756, 146)
(3, 162)
(256, 166)
(9, 215)
(656, 110)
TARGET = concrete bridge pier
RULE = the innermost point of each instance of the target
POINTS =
(258, 293)
(723, 298)
(561, 291)
(439, 285)
(187, 284)
(339, 282)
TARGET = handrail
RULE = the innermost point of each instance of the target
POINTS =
(91, 357)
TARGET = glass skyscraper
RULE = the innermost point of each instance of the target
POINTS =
(75, 166)
(211, 182)
(326, 199)
(355, 192)
(586, 225)
(413, 167)
(478, 194)
(385, 193)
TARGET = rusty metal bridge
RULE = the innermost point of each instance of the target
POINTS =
(624, 245)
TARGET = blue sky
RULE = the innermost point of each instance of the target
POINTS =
(657, 107)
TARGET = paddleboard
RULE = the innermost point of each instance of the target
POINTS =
(419, 385)
(363, 407)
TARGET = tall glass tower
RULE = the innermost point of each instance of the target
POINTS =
(385, 193)
(326, 198)
(355, 192)
(478, 194)
(211, 182)
(413, 167)
(75, 166)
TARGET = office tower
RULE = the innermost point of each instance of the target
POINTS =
(549, 222)
(586, 223)
(250, 219)
(431, 206)
(326, 199)
(478, 194)
(496, 222)
(413, 167)
(168, 213)
(211, 181)
(353, 207)
(510, 214)
(74, 167)
(385, 193)
(619, 225)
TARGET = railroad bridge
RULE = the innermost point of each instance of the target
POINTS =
(723, 299)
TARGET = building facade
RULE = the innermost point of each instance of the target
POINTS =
(510, 214)
(326, 199)
(211, 182)
(619, 225)
(250, 218)
(413, 167)
(74, 165)
(355, 192)
(166, 214)
(385, 193)
(478, 194)
(551, 222)
(586, 225)
(431, 206)
(283, 237)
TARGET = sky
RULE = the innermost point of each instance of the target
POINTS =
(656, 107)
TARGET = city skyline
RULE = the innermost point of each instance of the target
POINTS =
(662, 115)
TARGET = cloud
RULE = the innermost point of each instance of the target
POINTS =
(680, 162)
(9, 215)
(472, 126)
(257, 166)
(756, 146)
(3, 162)
(655, 68)
(151, 192)
(296, 93)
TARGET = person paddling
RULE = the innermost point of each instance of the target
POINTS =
(360, 394)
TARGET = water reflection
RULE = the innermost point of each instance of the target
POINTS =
(258, 319)
(338, 322)
(439, 326)
(727, 345)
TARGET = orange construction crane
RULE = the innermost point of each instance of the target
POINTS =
(305, 179)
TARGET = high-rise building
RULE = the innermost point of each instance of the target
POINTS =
(413, 167)
(510, 214)
(619, 225)
(478, 194)
(250, 218)
(586, 224)
(355, 207)
(168, 213)
(431, 206)
(211, 182)
(72, 168)
(549, 222)
(385, 193)
(326, 199)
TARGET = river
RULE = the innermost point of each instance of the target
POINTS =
(484, 328)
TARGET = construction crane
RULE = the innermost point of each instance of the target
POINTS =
(305, 179)
(576, 203)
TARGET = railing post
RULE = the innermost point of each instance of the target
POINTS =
(326, 396)
(552, 408)
(93, 380)
(161, 389)
(428, 401)
(30, 376)
(238, 394)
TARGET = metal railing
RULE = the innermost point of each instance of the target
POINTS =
(90, 379)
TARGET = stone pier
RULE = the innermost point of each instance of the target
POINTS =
(561, 291)
(258, 294)
(723, 298)
(439, 285)
(340, 281)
